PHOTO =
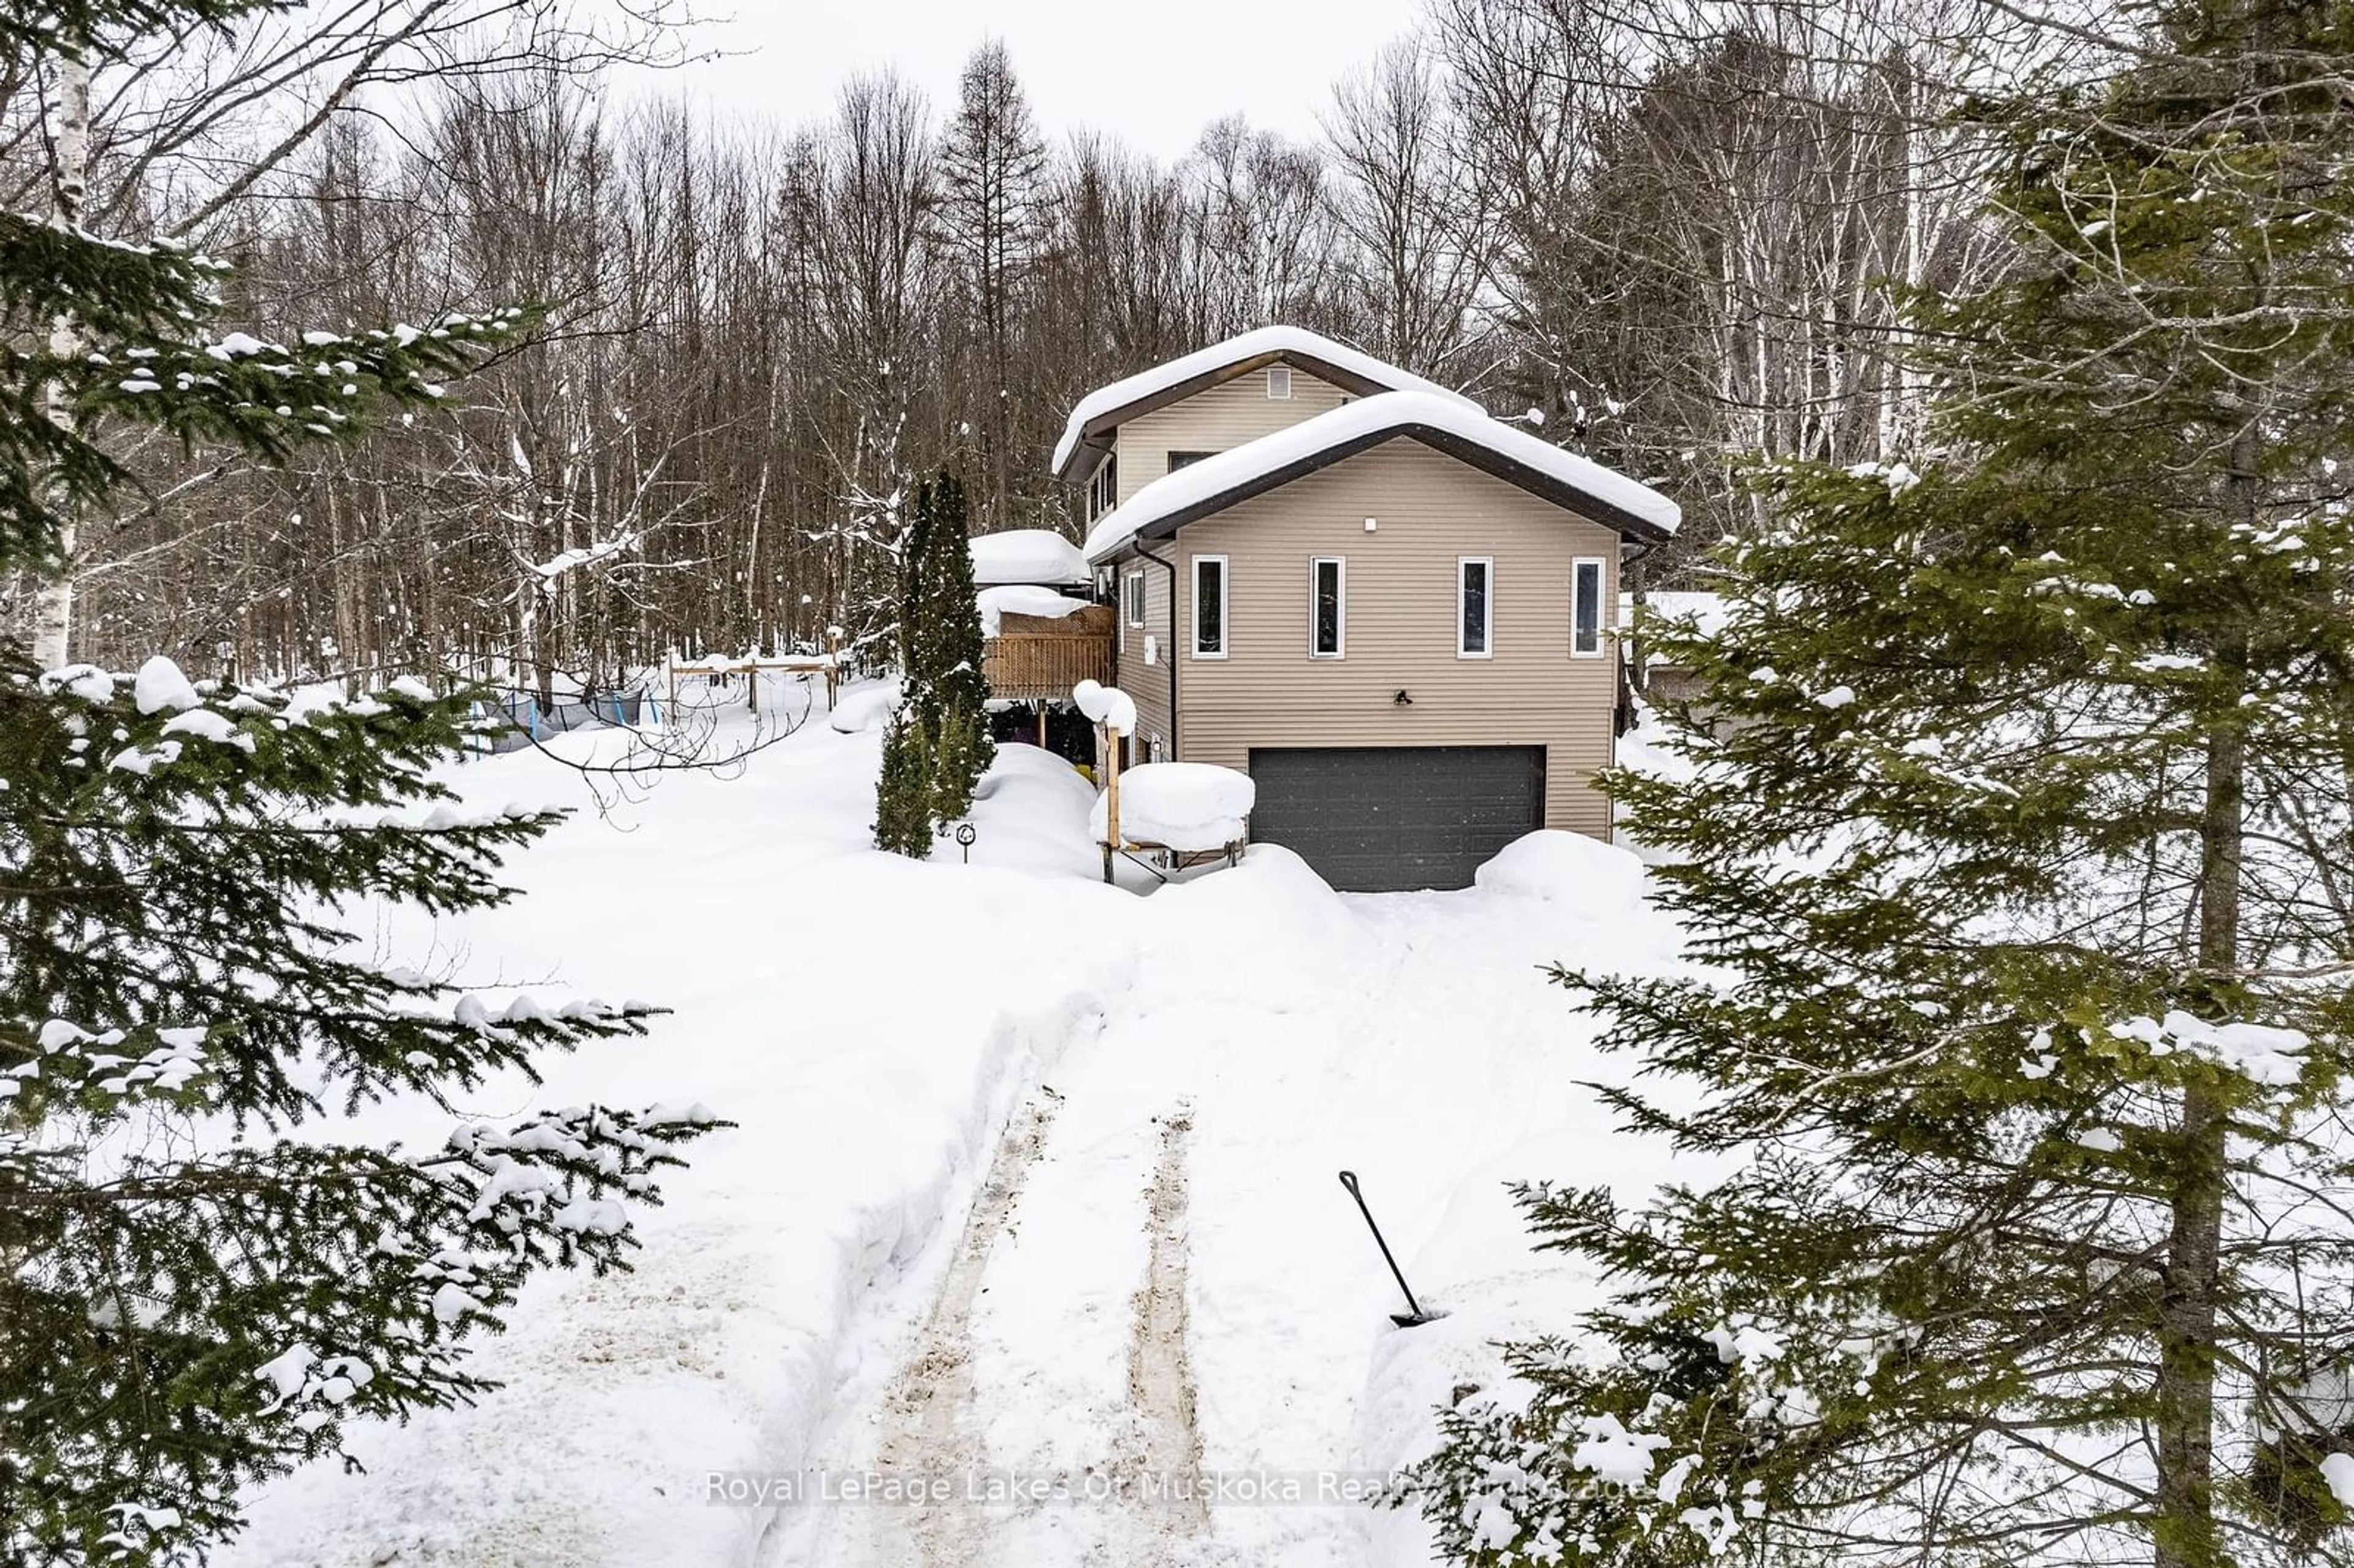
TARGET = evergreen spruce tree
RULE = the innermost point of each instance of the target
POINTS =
(903, 788)
(2015, 845)
(938, 745)
(954, 692)
(190, 1298)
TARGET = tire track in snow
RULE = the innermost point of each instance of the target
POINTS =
(1162, 1462)
(927, 1430)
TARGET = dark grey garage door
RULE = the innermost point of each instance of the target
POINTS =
(1381, 819)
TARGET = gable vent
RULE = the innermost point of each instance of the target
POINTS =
(1278, 381)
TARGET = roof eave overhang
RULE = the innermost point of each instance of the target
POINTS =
(1486, 458)
(1095, 436)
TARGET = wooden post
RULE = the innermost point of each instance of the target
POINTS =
(1111, 797)
(1042, 726)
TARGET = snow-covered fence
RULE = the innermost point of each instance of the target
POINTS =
(798, 666)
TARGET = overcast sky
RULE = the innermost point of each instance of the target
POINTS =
(1153, 76)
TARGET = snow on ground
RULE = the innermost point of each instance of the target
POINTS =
(1034, 1184)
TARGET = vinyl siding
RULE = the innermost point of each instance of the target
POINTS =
(1225, 416)
(1147, 683)
(1401, 623)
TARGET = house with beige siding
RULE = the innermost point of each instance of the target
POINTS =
(1392, 611)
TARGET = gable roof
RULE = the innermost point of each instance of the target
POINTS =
(1215, 484)
(1108, 407)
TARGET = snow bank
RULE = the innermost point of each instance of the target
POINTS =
(1027, 556)
(1478, 1266)
(855, 713)
(1184, 805)
(778, 1278)
(1218, 355)
(1024, 599)
(1391, 411)
(1551, 864)
(1031, 813)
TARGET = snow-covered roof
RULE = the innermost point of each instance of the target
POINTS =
(1706, 610)
(1023, 598)
(1200, 488)
(1186, 806)
(1026, 556)
(1311, 350)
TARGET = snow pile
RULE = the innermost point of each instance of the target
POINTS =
(1026, 556)
(1030, 811)
(1273, 340)
(1551, 864)
(1183, 805)
(1023, 598)
(1106, 705)
(1393, 412)
(858, 712)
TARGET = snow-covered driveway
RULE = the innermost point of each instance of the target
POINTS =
(1034, 1188)
(1178, 1283)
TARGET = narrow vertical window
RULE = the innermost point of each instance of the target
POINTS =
(1209, 607)
(1103, 490)
(1474, 607)
(1134, 591)
(1585, 608)
(1328, 610)
(1278, 382)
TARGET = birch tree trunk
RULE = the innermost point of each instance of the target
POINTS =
(69, 195)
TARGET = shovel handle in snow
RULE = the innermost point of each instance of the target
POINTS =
(1414, 1314)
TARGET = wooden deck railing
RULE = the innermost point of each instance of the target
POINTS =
(1025, 667)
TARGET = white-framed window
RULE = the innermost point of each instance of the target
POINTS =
(1186, 459)
(1474, 607)
(1103, 490)
(1328, 607)
(1209, 607)
(1278, 383)
(1585, 580)
(1131, 598)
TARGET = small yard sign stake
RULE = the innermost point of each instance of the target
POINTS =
(965, 833)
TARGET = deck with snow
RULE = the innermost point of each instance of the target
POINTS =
(1039, 658)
